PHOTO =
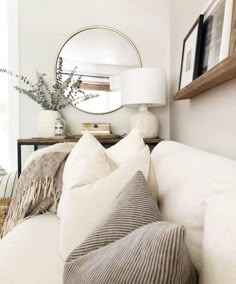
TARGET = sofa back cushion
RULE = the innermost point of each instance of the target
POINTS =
(187, 177)
(219, 250)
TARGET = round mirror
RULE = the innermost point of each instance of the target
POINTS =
(99, 55)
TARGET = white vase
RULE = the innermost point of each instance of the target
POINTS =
(46, 123)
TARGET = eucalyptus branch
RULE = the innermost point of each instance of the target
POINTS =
(57, 97)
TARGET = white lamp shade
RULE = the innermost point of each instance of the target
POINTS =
(143, 86)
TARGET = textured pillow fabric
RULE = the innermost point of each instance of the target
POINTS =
(85, 164)
(8, 184)
(58, 147)
(84, 149)
(83, 172)
(155, 253)
(126, 148)
(85, 206)
(134, 207)
(4, 207)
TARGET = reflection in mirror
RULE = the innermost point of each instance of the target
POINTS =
(99, 55)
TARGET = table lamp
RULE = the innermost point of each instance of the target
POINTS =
(143, 88)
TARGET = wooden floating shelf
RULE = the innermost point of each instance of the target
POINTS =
(221, 73)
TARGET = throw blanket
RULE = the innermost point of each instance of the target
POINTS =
(38, 189)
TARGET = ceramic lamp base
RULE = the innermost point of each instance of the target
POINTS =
(146, 122)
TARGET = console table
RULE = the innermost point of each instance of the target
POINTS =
(106, 142)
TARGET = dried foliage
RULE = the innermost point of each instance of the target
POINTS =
(56, 97)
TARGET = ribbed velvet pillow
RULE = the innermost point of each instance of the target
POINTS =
(132, 245)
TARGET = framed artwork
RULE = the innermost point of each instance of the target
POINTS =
(191, 54)
(216, 33)
(232, 47)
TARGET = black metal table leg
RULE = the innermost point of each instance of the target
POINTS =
(19, 158)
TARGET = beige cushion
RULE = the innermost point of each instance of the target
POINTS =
(85, 164)
(29, 253)
(85, 148)
(126, 148)
(84, 206)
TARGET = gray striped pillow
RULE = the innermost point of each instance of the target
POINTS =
(8, 185)
(122, 249)
(134, 207)
(155, 253)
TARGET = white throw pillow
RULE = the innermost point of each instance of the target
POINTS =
(84, 149)
(84, 206)
(126, 148)
(85, 164)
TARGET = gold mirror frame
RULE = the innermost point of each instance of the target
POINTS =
(104, 28)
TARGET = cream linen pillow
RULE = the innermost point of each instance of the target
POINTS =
(86, 163)
(126, 148)
(84, 149)
(84, 206)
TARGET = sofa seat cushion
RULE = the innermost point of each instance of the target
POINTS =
(29, 253)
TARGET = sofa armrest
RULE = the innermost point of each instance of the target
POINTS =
(219, 242)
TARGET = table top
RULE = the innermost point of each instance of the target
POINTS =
(36, 140)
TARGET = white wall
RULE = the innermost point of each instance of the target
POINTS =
(206, 121)
(13, 97)
(44, 25)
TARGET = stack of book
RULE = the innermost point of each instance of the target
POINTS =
(97, 128)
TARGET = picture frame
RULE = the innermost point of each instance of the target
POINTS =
(189, 69)
(217, 32)
(232, 47)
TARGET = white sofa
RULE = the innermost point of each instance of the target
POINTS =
(196, 189)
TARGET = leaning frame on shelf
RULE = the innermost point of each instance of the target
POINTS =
(232, 47)
(219, 74)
